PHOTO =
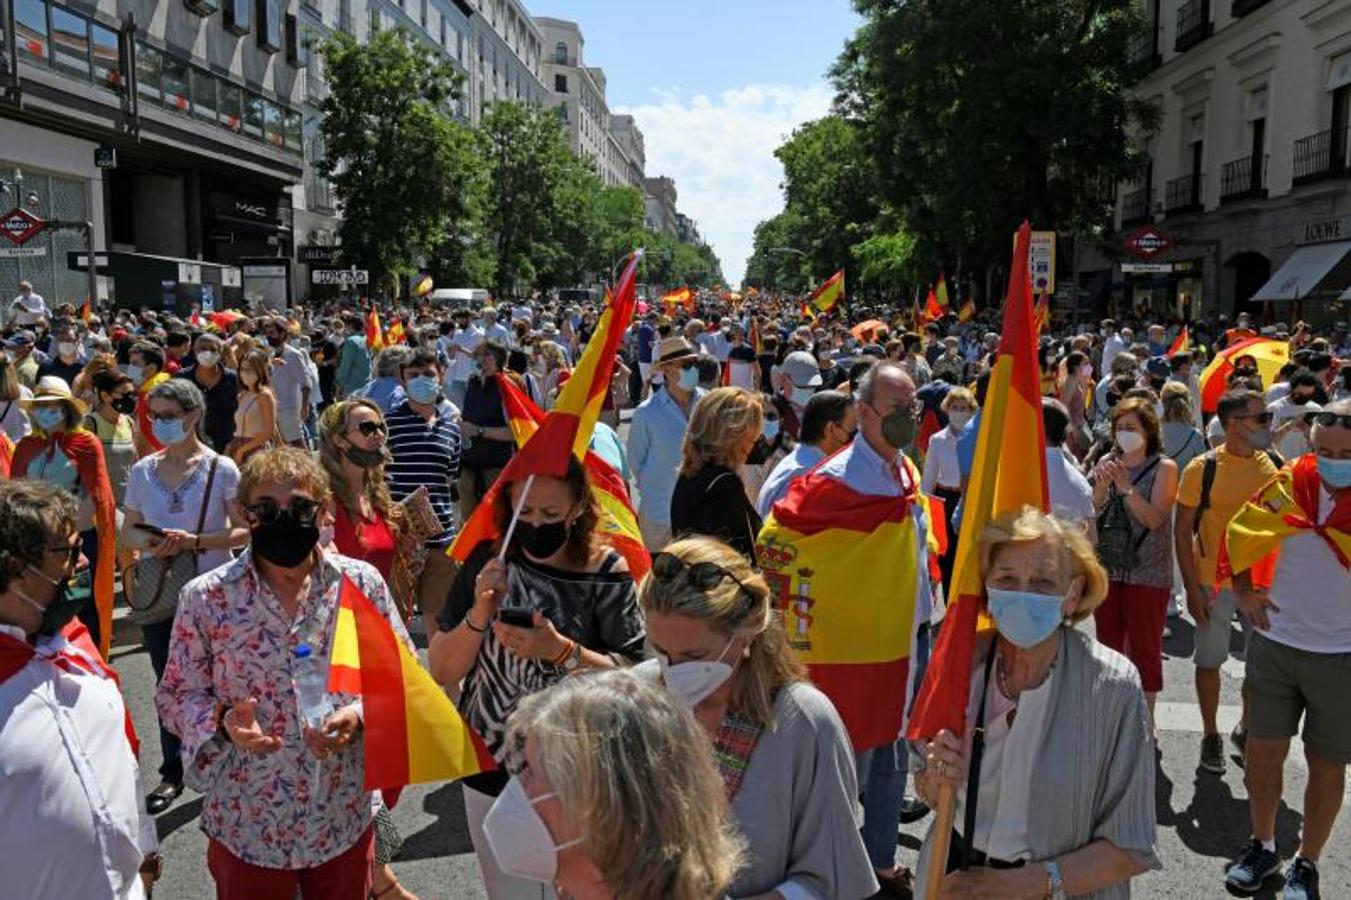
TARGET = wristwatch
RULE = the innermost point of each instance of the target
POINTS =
(574, 659)
(1055, 885)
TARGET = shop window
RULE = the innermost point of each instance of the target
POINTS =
(148, 71)
(272, 124)
(291, 129)
(70, 42)
(238, 18)
(107, 57)
(175, 83)
(231, 111)
(30, 28)
(204, 95)
(269, 25)
(253, 115)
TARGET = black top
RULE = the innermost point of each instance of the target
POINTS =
(714, 502)
(55, 366)
(327, 351)
(483, 407)
(221, 400)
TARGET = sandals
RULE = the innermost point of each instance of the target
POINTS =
(162, 797)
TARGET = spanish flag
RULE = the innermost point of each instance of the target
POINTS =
(396, 335)
(1041, 313)
(618, 524)
(413, 732)
(86, 312)
(967, 312)
(1181, 344)
(683, 297)
(1268, 354)
(567, 429)
(828, 295)
(754, 338)
(1285, 507)
(421, 285)
(375, 338)
(1009, 473)
(932, 311)
(847, 567)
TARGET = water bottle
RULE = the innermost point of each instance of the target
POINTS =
(310, 677)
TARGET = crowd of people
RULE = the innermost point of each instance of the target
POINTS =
(220, 476)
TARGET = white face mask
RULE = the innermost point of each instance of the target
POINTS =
(66, 348)
(802, 394)
(208, 358)
(518, 838)
(693, 681)
(1129, 441)
(958, 418)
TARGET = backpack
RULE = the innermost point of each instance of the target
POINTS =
(1210, 467)
(1118, 544)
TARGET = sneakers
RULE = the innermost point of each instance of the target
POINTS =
(912, 810)
(1301, 880)
(1253, 866)
(1239, 738)
(1212, 754)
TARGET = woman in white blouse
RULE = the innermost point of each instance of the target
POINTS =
(942, 476)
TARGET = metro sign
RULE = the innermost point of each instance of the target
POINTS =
(19, 225)
(1148, 243)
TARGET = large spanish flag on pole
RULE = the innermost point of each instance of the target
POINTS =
(1009, 473)
(413, 733)
(566, 430)
(848, 568)
(828, 295)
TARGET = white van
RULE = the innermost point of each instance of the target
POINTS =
(470, 297)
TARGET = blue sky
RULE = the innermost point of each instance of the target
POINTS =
(715, 87)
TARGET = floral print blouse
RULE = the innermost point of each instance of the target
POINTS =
(231, 641)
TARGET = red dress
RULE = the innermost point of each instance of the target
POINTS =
(369, 540)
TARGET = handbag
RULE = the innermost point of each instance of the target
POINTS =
(155, 583)
(1118, 543)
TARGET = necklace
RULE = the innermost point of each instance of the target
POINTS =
(176, 493)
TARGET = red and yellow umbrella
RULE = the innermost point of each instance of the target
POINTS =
(1267, 354)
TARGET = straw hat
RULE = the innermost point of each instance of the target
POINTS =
(673, 348)
(54, 387)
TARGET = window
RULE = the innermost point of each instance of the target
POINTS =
(561, 53)
(270, 25)
(291, 129)
(204, 95)
(148, 67)
(107, 57)
(30, 28)
(70, 42)
(231, 112)
(272, 124)
(238, 19)
(202, 7)
(297, 42)
(175, 83)
(253, 115)
(561, 84)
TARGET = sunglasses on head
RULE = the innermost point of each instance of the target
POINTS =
(303, 509)
(369, 429)
(702, 576)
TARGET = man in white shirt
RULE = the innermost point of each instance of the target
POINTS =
(1070, 493)
(1112, 345)
(28, 308)
(290, 382)
(463, 343)
(494, 330)
(72, 819)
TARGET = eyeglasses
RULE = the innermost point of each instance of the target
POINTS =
(370, 429)
(71, 551)
(165, 417)
(303, 509)
(702, 576)
(1332, 420)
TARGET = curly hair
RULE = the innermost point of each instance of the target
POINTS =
(719, 425)
(334, 422)
(283, 465)
(34, 515)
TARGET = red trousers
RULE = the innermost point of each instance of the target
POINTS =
(345, 877)
(1130, 621)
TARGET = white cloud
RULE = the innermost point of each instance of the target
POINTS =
(720, 151)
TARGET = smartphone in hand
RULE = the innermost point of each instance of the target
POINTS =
(517, 618)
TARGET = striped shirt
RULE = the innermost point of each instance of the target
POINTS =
(426, 453)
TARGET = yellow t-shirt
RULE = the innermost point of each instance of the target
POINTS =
(1236, 479)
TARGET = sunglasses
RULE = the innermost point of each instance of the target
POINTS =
(702, 576)
(1332, 420)
(370, 429)
(303, 509)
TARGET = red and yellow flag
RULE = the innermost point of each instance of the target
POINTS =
(375, 338)
(1041, 313)
(1268, 354)
(682, 296)
(618, 524)
(1009, 473)
(967, 312)
(941, 292)
(86, 312)
(396, 334)
(932, 311)
(828, 295)
(754, 338)
(1181, 344)
(413, 733)
(847, 568)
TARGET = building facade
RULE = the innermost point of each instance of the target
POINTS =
(613, 144)
(660, 201)
(687, 230)
(1248, 183)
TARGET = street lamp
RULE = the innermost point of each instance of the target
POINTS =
(787, 250)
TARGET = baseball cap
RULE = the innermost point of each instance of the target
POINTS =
(801, 367)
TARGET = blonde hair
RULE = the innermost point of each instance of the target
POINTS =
(1177, 402)
(718, 429)
(959, 394)
(730, 607)
(334, 422)
(634, 772)
(1076, 553)
(283, 465)
(259, 362)
(552, 355)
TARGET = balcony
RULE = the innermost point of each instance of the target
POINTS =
(1135, 207)
(1193, 24)
(1241, 8)
(1185, 194)
(1318, 156)
(1244, 179)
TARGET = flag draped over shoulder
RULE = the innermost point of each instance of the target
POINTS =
(618, 523)
(566, 430)
(1286, 506)
(828, 295)
(847, 568)
(1009, 473)
(413, 733)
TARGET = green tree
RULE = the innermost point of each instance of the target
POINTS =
(887, 265)
(978, 114)
(773, 265)
(403, 169)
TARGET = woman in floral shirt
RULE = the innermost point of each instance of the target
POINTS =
(285, 808)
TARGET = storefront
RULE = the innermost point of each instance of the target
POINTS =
(1165, 291)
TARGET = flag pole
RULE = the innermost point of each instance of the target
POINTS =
(942, 838)
(515, 516)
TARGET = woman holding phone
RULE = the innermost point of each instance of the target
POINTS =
(525, 611)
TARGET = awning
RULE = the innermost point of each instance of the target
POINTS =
(1304, 272)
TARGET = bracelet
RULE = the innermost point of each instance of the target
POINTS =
(469, 623)
(567, 651)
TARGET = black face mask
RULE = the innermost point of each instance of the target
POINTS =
(541, 541)
(367, 459)
(760, 451)
(124, 405)
(285, 541)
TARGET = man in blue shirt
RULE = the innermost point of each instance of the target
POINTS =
(828, 423)
(354, 360)
(657, 434)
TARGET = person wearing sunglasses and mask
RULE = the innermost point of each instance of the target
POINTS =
(228, 690)
(1061, 716)
(71, 818)
(219, 385)
(785, 758)
(613, 794)
(111, 420)
(657, 433)
(168, 493)
(552, 601)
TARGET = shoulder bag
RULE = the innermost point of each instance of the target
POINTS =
(155, 581)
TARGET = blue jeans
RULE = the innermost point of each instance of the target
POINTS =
(882, 772)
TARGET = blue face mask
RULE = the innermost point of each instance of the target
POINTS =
(423, 389)
(770, 429)
(1336, 473)
(689, 378)
(168, 431)
(49, 418)
(1024, 618)
(134, 373)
